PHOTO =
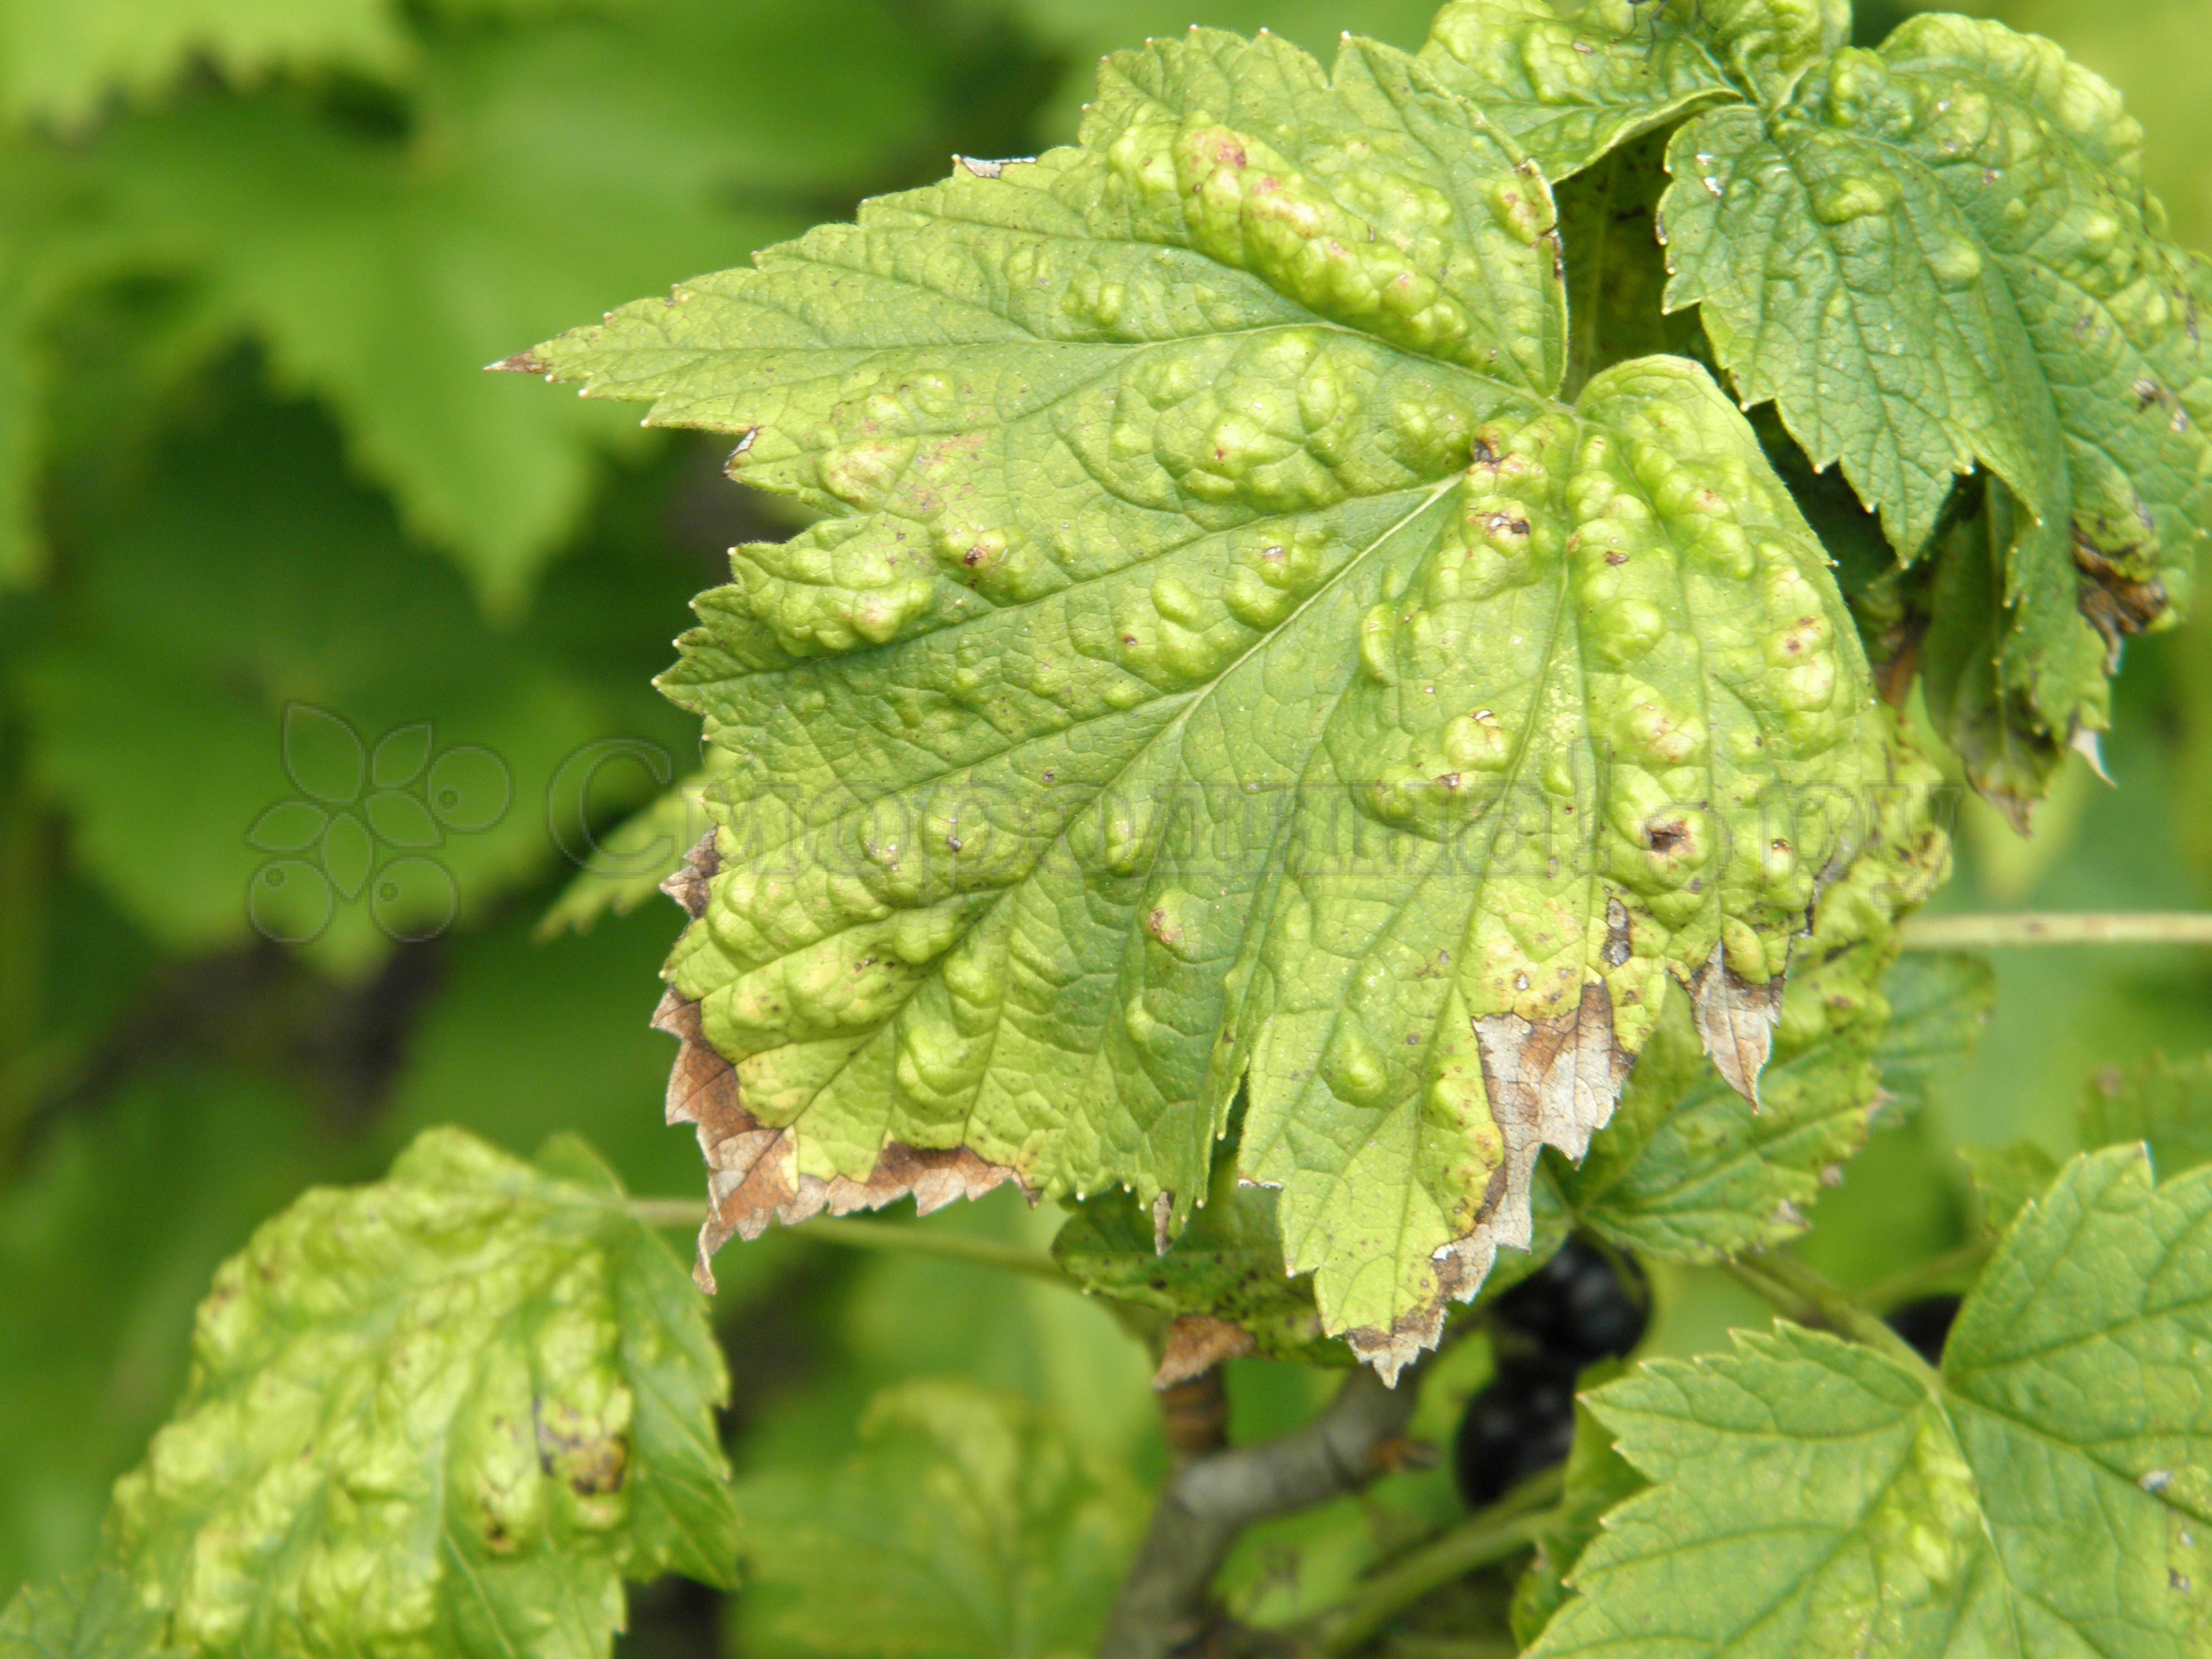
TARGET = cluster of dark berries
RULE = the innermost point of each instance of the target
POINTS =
(1583, 1305)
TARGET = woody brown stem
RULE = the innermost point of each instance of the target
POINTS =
(1165, 1604)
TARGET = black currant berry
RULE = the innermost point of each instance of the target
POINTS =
(1524, 1421)
(1577, 1308)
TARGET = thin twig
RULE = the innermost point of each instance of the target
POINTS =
(1499, 1534)
(1804, 1296)
(2109, 927)
(858, 1232)
(1163, 1602)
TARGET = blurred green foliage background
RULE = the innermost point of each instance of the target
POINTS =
(322, 655)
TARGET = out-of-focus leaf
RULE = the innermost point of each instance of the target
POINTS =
(1224, 1269)
(628, 863)
(106, 1241)
(1939, 1003)
(446, 1411)
(237, 638)
(551, 170)
(2165, 1103)
(524, 1036)
(1616, 268)
(92, 1614)
(1815, 1497)
(61, 60)
(967, 1524)
(2006, 1179)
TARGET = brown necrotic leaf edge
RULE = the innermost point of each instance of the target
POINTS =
(1555, 1083)
(752, 1173)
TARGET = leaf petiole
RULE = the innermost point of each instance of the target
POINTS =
(1493, 1536)
(861, 1232)
(1946, 1274)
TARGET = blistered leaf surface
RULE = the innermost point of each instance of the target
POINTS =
(1932, 257)
(1227, 667)
(1941, 256)
(1570, 82)
(449, 1412)
(1815, 1497)
(1687, 1169)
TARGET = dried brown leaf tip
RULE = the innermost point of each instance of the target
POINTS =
(752, 1168)
(1737, 1018)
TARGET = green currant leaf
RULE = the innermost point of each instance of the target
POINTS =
(336, 249)
(1570, 82)
(1226, 667)
(452, 1410)
(1220, 1280)
(109, 1232)
(1598, 1478)
(2166, 1104)
(1570, 79)
(1940, 256)
(1814, 1497)
(1687, 1168)
(968, 1523)
(93, 1614)
(1932, 257)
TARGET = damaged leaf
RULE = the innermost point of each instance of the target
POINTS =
(1687, 1169)
(1935, 259)
(1227, 667)
(1221, 1280)
(1940, 257)
(449, 1412)
(1814, 1497)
